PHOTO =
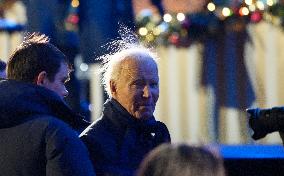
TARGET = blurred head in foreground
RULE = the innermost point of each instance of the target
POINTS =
(181, 160)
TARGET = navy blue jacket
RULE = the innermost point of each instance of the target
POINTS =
(36, 134)
(118, 142)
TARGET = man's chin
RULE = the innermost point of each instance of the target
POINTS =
(145, 116)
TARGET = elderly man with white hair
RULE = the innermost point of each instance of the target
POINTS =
(127, 129)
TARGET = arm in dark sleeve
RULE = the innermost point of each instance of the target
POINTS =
(163, 134)
(66, 154)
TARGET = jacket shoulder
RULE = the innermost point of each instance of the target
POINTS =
(163, 130)
(100, 126)
(64, 150)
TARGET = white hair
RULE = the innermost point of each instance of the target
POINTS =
(112, 63)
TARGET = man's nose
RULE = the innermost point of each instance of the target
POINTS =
(147, 92)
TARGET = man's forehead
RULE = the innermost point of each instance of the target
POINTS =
(142, 73)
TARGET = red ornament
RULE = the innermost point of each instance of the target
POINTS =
(73, 18)
(174, 39)
(256, 17)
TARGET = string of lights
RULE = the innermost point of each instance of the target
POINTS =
(181, 29)
(72, 20)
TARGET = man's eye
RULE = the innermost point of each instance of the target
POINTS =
(154, 84)
(138, 84)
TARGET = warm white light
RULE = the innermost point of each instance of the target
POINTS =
(248, 2)
(211, 7)
(269, 2)
(244, 11)
(75, 3)
(143, 31)
(150, 37)
(252, 8)
(226, 12)
(260, 5)
(167, 17)
(180, 16)
(157, 31)
(84, 67)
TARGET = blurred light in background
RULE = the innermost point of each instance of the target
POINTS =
(180, 16)
(252, 7)
(84, 67)
(167, 18)
(260, 5)
(226, 12)
(75, 3)
(269, 2)
(157, 31)
(244, 11)
(211, 7)
(248, 2)
(143, 31)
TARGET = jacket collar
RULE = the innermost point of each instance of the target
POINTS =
(114, 111)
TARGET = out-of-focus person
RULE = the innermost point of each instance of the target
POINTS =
(181, 160)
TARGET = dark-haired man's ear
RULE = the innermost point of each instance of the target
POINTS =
(40, 80)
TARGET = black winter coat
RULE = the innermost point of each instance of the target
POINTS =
(118, 142)
(36, 138)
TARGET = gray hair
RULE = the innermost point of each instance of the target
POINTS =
(112, 63)
(181, 160)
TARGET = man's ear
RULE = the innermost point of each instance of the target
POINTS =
(41, 78)
(113, 87)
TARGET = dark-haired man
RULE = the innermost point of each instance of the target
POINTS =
(36, 125)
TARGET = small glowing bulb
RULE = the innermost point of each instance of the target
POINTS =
(143, 31)
(260, 5)
(180, 16)
(244, 11)
(156, 31)
(248, 2)
(252, 7)
(84, 67)
(211, 7)
(150, 37)
(75, 3)
(269, 2)
(167, 17)
(226, 12)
